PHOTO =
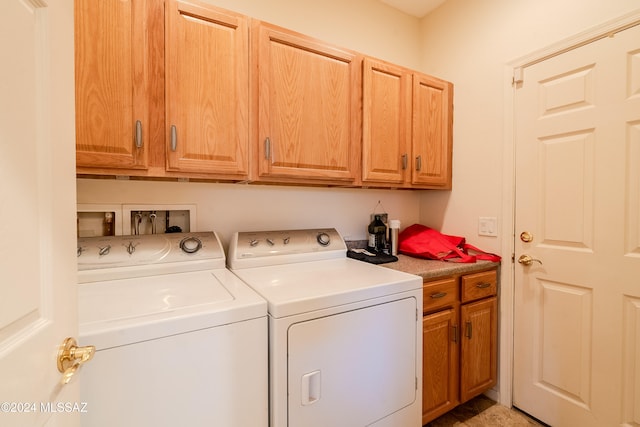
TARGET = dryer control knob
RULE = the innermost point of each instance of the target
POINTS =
(324, 239)
(190, 244)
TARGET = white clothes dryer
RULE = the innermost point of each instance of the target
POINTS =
(179, 339)
(345, 337)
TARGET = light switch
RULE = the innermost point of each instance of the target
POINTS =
(488, 226)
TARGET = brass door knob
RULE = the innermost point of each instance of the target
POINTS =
(71, 357)
(528, 260)
(526, 237)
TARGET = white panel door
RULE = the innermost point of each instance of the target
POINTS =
(354, 368)
(37, 211)
(577, 305)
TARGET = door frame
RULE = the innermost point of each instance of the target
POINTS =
(513, 73)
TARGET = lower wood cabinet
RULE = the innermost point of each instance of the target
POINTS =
(478, 347)
(460, 330)
(440, 364)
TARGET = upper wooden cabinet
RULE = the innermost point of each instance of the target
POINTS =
(308, 102)
(407, 127)
(432, 135)
(112, 83)
(182, 89)
(207, 90)
(162, 89)
(386, 123)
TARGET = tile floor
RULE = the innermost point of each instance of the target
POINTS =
(484, 412)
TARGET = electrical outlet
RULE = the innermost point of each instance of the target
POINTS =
(488, 226)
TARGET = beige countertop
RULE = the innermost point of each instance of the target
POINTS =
(430, 269)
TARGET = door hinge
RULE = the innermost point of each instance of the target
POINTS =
(518, 76)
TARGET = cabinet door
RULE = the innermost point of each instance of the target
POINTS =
(207, 89)
(478, 350)
(309, 108)
(432, 132)
(386, 122)
(439, 363)
(111, 83)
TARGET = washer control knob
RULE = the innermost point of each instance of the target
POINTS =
(270, 242)
(324, 239)
(253, 242)
(286, 240)
(131, 248)
(190, 245)
(104, 250)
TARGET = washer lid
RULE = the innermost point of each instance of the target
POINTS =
(119, 312)
(303, 287)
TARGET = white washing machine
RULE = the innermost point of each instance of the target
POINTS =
(179, 339)
(345, 337)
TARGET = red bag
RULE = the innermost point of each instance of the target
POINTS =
(423, 242)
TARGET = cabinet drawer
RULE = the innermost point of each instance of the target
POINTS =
(479, 285)
(439, 293)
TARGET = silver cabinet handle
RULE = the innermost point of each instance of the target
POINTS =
(438, 295)
(418, 163)
(138, 134)
(267, 148)
(174, 138)
(404, 162)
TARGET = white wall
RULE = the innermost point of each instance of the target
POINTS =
(226, 208)
(366, 26)
(470, 43)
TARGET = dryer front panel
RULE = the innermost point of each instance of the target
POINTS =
(353, 368)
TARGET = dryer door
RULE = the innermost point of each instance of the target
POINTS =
(353, 368)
